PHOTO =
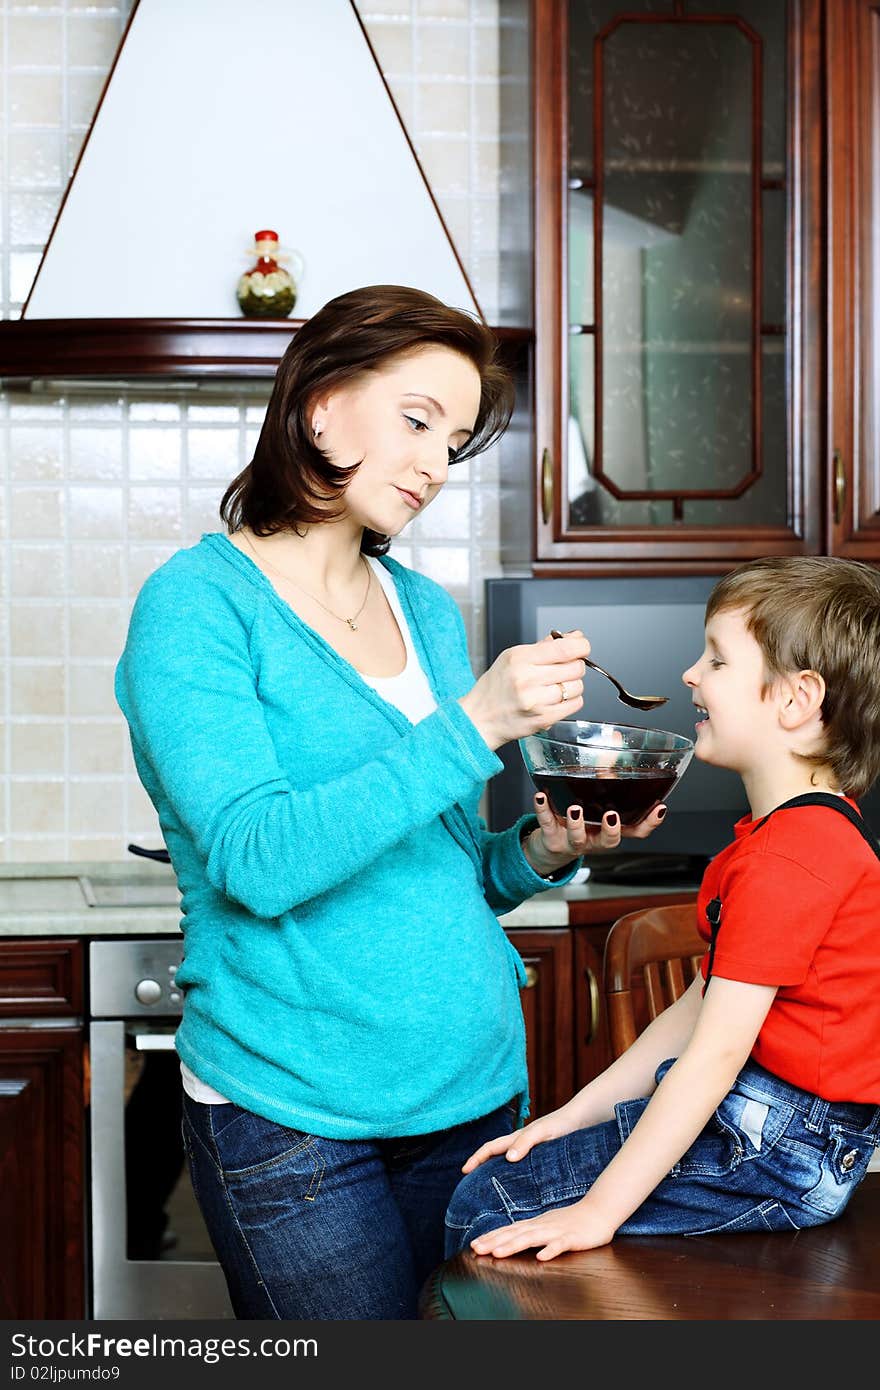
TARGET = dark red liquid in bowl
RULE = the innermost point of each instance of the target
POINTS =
(632, 796)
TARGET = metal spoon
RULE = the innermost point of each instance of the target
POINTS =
(636, 701)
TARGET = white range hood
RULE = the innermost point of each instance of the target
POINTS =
(221, 118)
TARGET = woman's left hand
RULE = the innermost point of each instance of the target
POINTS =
(577, 1227)
(559, 839)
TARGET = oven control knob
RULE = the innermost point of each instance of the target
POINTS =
(148, 991)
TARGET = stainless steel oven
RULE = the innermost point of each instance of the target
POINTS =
(150, 1253)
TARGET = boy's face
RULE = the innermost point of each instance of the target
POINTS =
(735, 727)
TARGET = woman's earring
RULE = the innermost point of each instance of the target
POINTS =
(316, 431)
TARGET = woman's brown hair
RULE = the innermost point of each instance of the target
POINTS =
(290, 482)
(819, 613)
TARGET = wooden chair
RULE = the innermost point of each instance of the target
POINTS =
(651, 957)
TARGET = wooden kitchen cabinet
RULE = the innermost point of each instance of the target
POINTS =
(705, 283)
(563, 1003)
(548, 1003)
(42, 1130)
(592, 1048)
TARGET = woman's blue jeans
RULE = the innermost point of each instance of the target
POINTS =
(311, 1228)
(772, 1158)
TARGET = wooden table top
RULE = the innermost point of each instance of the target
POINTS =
(826, 1272)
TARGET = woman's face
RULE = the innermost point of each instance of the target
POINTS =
(402, 424)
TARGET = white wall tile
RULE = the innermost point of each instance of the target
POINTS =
(213, 454)
(91, 41)
(34, 99)
(444, 108)
(33, 41)
(36, 513)
(36, 630)
(95, 455)
(37, 571)
(36, 689)
(153, 454)
(449, 565)
(97, 747)
(95, 805)
(95, 513)
(37, 748)
(97, 633)
(34, 159)
(90, 690)
(35, 452)
(447, 518)
(31, 216)
(443, 51)
(95, 571)
(154, 513)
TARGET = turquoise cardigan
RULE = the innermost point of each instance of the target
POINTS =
(344, 969)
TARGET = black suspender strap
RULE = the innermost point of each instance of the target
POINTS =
(834, 803)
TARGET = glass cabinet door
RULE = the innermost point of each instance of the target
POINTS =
(672, 368)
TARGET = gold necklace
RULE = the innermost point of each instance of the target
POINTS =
(352, 621)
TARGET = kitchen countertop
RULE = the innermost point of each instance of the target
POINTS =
(125, 897)
(128, 897)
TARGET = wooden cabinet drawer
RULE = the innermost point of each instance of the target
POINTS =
(41, 978)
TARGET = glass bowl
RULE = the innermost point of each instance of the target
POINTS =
(605, 767)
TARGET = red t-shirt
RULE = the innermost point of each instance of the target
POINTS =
(800, 908)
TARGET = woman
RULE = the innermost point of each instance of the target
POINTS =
(305, 720)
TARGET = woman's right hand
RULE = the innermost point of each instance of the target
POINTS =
(521, 691)
(517, 1145)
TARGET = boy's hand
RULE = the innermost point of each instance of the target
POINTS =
(517, 1144)
(578, 1227)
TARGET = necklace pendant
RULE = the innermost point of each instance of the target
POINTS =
(352, 624)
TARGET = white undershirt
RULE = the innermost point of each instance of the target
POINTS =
(410, 692)
(409, 689)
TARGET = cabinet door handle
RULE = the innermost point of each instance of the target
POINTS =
(531, 977)
(546, 486)
(593, 1005)
(839, 487)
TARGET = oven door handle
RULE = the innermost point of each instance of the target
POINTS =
(148, 1040)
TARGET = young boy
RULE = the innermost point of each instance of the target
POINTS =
(757, 1094)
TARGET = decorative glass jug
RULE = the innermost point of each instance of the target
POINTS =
(267, 290)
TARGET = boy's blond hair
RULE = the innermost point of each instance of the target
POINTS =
(819, 613)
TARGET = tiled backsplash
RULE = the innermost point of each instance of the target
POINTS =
(99, 488)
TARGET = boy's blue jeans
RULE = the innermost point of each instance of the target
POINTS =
(772, 1158)
(312, 1228)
